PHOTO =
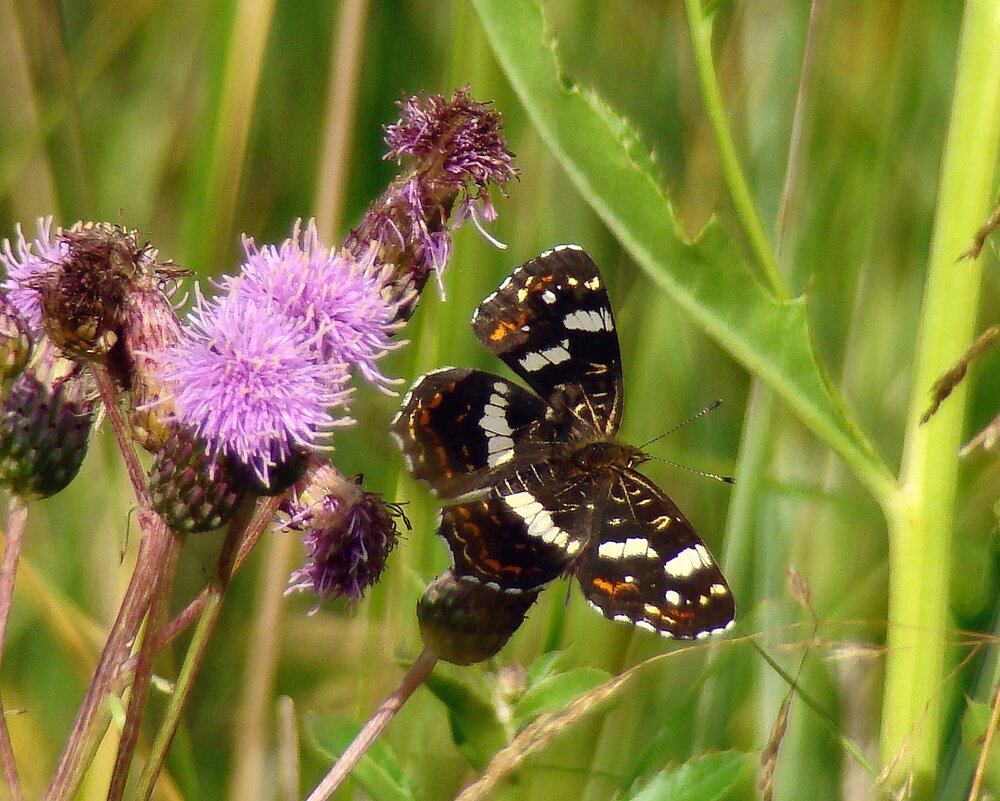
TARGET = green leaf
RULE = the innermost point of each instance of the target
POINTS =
(475, 727)
(707, 778)
(974, 723)
(542, 667)
(378, 772)
(555, 691)
(707, 278)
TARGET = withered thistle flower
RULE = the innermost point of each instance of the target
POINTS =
(83, 293)
(453, 149)
(348, 534)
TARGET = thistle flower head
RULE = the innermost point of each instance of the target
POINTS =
(23, 262)
(453, 150)
(348, 534)
(248, 383)
(77, 287)
(461, 137)
(336, 296)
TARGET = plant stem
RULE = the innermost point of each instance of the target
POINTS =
(238, 529)
(109, 397)
(265, 513)
(414, 677)
(93, 716)
(143, 672)
(17, 518)
(920, 513)
(700, 26)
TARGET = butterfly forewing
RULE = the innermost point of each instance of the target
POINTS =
(456, 424)
(551, 322)
(648, 566)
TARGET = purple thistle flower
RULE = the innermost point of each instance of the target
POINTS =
(348, 534)
(335, 296)
(455, 149)
(249, 383)
(25, 262)
(462, 134)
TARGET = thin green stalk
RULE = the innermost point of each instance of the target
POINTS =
(921, 512)
(343, 86)
(846, 743)
(210, 225)
(701, 43)
(237, 531)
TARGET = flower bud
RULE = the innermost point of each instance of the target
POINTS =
(465, 622)
(45, 424)
(193, 490)
(15, 340)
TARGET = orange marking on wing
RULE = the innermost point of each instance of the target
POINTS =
(613, 588)
(506, 327)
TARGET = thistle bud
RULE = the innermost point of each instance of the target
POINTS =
(15, 339)
(194, 490)
(151, 326)
(465, 622)
(45, 424)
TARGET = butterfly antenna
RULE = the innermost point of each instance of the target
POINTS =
(696, 471)
(711, 407)
(717, 476)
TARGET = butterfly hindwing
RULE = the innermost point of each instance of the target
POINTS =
(545, 514)
(551, 322)
(457, 424)
(649, 567)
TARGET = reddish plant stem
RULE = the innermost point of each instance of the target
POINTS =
(7, 759)
(414, 677)
(17, 518)
(109, 397)
(262, 518)
(84, 737)
(236, 534)
(143, 673)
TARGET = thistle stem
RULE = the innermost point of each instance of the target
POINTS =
(93, 716)
(239, 529)
(17, 518)
(109, 397)
(414, 677)
(143, 672)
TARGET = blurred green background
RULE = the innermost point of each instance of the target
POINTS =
(195, 122)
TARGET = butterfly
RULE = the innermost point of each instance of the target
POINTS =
(534, 484)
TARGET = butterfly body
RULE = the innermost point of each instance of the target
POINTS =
(535, 485)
